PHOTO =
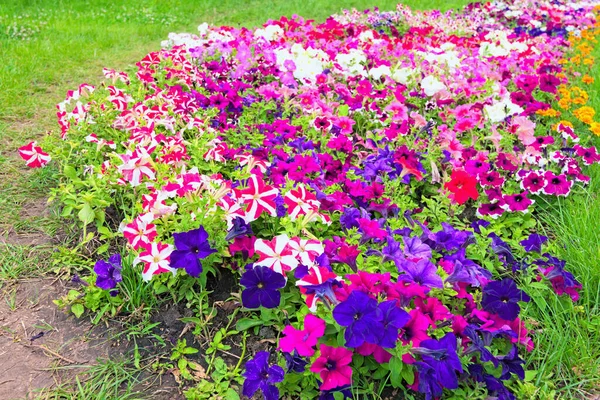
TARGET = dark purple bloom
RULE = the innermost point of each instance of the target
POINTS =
(441, 356)
(534, 242)
(329, 394)
(349, 219)
(108, 272)
(239, 228)
(476, 225)
(502, 297)
(428, 381)
(446, 239)
(361, 317)
(190, 248)
(480, 343)
(394, 318)
(294, 362)
(262, 287)
(260, 375)
(512, 363)
(422, 272)
(280, 206)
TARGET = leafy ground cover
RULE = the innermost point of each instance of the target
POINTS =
(384, 183)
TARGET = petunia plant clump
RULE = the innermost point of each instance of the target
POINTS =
(373, 179)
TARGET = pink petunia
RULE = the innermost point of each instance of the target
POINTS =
(33, 155)
(303, 341)
(156, 259)
(333, 367)
(276, 254)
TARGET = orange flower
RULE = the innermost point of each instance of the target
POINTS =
(550, 112)
(595, 128)
(587, 79)
(585, 114)
(564, 103)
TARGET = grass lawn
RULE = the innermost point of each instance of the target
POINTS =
(48, 47)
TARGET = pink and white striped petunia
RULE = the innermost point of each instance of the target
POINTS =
(258, 198)
(276, 254)
(141, 231)
(156, 260)
(33, 155)
(306, 250)
(300, 202)
(136, 165)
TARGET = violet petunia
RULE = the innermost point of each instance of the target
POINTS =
(190, 248)
(422, 272)
(502, 297)
(361, 317)
(260, 375)
(534, 242)
(262, 287)
(108, 272)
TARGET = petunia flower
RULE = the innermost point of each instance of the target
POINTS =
(259, 375)
(319, 284)
(190, 248)
(442, 357)
(361, 317)
(534, 242)
(239, 228)
(262, 286)
(108, 272)
(258, 198)
(276, 254)
(422, 272)
(156, 260)
(33, 155)
(393, 319)
(141, 231)
(462, 186)
(303, 341)
(502, 297)
(333, 367)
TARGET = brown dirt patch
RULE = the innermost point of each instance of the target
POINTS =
(26, 312)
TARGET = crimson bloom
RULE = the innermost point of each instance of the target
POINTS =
(304, 340)
(462, 186)
(333, 367)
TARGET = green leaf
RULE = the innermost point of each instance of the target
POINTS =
(408, 375)
(77, 309)
(70, 172)
(182, 364)
(86, 214)
(343, 110)
(189, 350)
(231, 394)
(246, 323)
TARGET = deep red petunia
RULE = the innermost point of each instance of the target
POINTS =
(462, 186)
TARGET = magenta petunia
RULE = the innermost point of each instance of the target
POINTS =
(303, 341)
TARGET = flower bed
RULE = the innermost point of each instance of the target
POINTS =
(373, 179)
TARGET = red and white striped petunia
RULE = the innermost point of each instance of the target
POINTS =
(276, 254)
(136, 165)
(258, 198)
(232, 210)
(140, 232)
(156, 260)
(33, 155)
(318, 277)
(306, 250)
(301, 202)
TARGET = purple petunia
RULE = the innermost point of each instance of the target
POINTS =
(502, 297)
(361, 317)
(190, 248)
(534, 242)
(441, 356)
(422, 272)
(108, 272)
(262, 287)
(394, 318)
(260, 375)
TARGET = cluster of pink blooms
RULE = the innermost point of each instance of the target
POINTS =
(314, 133)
